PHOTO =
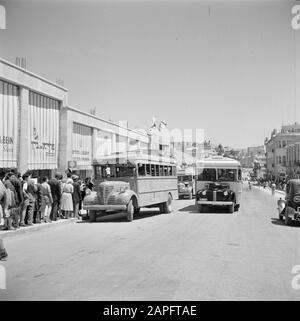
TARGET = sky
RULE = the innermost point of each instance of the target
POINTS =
(227, 67)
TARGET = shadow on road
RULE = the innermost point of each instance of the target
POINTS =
(192, 209)
(119, 217)
(277, 221)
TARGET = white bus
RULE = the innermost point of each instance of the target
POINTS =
(131, 184)
(219, 183)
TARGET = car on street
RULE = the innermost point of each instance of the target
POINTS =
(289, 209)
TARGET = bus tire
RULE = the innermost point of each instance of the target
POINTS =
(137, 210)
(200, 208)
(287, 220)
(92, 216)
(166, 207)
(231, 208)
(130, 211)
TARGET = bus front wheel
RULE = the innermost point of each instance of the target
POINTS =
(130, 211)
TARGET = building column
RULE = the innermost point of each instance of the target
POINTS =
(24, 130)
(65, 139)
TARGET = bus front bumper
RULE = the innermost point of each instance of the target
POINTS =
(119, 207)
(217, 203)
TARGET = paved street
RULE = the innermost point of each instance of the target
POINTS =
(185, 255)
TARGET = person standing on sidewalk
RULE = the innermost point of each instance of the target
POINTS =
(37, 216)
(66, 198)
(11, 217)
(25, 202)
(2, 198)
(47, 200)
(30, 189)
(76, 196)
(55, 187)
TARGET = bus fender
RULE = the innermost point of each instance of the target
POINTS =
(131, 194)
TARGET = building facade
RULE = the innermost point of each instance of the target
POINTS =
(293, 160)
(40, 132)
(276, 150)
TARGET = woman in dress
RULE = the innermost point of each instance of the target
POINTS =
(66, 202)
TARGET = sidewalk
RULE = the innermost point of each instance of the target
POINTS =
(278, 193)
(36, 227)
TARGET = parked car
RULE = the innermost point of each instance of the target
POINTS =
(289, 209)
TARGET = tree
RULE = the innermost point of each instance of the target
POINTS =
(220, 149)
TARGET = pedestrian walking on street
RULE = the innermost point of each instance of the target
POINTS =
(273, 187)
(3, 253)
(47, 200)
(66, 203)
(55, 187)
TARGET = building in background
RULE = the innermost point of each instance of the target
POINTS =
(293, 160)
(276, 150)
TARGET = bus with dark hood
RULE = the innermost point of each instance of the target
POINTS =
(218, 183)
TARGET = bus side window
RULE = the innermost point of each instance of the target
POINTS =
(161, 170)
(165, 170)
(157, 170)
(152, 170)
(141, 170)
(240, 175)
(173, 170)
(148, 169)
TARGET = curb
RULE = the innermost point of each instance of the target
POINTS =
(36, 227)
(269, 189)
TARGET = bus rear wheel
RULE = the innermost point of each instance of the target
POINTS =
(287, 219)
(231, 208)
(200, 208)
(92, 216)
(166, 207)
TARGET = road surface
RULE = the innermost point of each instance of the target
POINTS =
(184, 255)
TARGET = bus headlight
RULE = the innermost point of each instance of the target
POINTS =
(225, 193)
(203, 193)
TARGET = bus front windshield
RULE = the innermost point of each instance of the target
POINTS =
(228, 175)
(185, 178)
(217, 174)
(207, 174)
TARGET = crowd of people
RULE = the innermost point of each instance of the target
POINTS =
(25, 201)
